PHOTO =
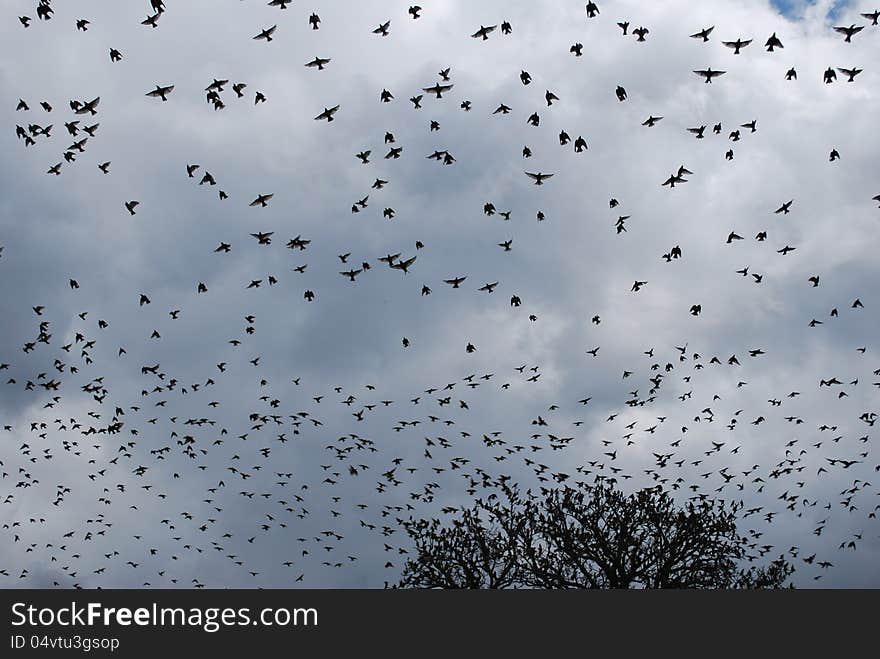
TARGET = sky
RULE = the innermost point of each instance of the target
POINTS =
(794, 8)
(173, 524)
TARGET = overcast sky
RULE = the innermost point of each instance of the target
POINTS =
(566, 269)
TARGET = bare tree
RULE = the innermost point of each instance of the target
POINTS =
(593, 536)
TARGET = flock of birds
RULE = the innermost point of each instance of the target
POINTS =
(159, 482)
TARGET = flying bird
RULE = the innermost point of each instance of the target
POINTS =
(850, 73)
(262, 200)
(484, 32)
(708, 74)
(703, 34)
(161, 92)
(266, 34)
(737, 45)
(318, 63)
(773, 42)
(92, 106)
(328, 114)
(437, 89)
(538, 177)
(849, 32)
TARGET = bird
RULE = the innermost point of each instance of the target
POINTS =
(92, 106)
(328, 114)
(850, 73)
(849, 32)
(262, 200)
(785, 208)
(538, 177)
(152, 20)
(703, 34)
(484, 32)
(737, 45)
(437, 89)
(266, 34)
(773, 42)
(263, 237)
(708, 74)
(161, 92)
(403, 265)
(318, 63)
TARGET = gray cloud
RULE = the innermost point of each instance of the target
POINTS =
(566, 269)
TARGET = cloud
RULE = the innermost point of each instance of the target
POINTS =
(566, 269)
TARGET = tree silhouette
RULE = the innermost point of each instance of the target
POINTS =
(593, 536)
